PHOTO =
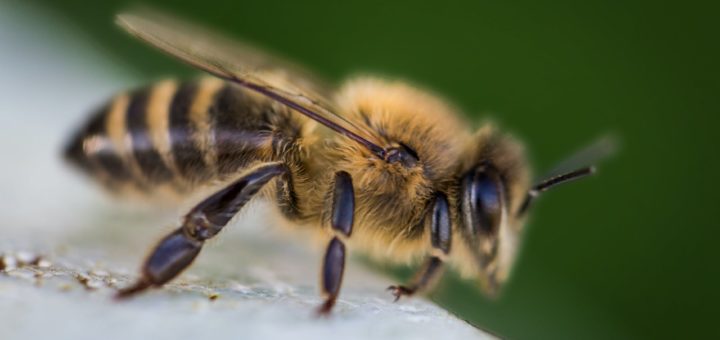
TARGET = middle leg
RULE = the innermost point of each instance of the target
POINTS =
(341, 220)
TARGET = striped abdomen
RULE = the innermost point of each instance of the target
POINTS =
(180, 135)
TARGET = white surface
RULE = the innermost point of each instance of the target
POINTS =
(265, 282)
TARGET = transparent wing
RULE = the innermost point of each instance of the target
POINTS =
(587, 157)
(242, 64)
(210, 50)
(579, 165)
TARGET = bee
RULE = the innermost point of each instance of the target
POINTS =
(375, 165)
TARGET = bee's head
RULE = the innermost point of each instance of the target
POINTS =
(494, 197)
(493, 184)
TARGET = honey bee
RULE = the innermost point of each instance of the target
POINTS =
(376, 165)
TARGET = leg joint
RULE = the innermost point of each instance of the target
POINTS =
(199, 228)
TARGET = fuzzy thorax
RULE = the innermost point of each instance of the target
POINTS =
(393, 197)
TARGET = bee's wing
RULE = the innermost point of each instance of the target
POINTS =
(244, 65)
(579, 165)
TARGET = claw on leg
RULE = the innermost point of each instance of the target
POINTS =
(423, 280)
(325, 308)
(128, 292)
(399, 291)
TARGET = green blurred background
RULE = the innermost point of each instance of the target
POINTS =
(627, 254)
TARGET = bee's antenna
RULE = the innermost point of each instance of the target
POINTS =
(551, 182)
(555, 180)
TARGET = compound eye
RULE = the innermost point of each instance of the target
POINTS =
(483, 201)
(488, 202)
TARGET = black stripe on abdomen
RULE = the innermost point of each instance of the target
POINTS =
(147, 157)
(241, 129)
(188, 156)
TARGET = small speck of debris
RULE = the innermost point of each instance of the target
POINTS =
(7, 263)
(99, 272)
(87, 282)
(42, 263)
(111, 282)
(25, 258)
(213, 296)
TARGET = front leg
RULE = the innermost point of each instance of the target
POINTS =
(343, 212)
(177, 251)
(440, 240)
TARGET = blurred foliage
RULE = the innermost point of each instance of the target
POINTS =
(627, 254)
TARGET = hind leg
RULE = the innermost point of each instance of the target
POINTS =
(177, 250)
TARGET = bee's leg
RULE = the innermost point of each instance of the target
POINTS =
(423, 279)
(440, 237)
(177, 251)
(343, 211)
